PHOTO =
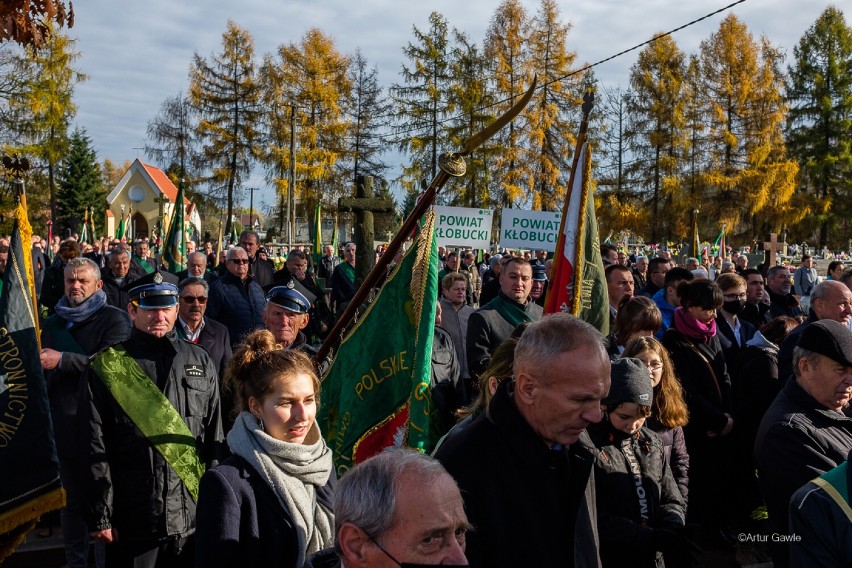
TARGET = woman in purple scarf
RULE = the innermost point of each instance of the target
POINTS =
(700, 365)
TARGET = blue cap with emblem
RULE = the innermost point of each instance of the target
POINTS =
(154, 291)
(289, 299)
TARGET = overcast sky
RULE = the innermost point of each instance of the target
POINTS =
(137, 54)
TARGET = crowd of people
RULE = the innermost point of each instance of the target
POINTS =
(184, 411)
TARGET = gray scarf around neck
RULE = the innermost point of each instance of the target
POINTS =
(293, 471)
(82, 312)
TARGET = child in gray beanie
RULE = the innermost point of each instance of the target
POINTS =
(641, 512)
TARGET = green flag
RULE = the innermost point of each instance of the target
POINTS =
(84, 235)
(695, 240)
(318, 235)
(376, 392)
(92, 220)
(174, 249)
(334, 237)
(578, 285)
(30, 479)
(119, 233)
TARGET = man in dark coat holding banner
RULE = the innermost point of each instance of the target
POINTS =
(155, 425)
(83, 325)
(494, 322)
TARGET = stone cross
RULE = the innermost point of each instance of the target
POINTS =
(364, 205)
(771, 247)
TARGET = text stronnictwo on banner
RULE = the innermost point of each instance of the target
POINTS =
(534, 230)
(463, 226)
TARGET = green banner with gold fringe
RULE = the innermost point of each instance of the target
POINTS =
(29, 467)
(376, 392)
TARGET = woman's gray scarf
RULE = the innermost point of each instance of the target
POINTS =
(82, 312)
(293, 471)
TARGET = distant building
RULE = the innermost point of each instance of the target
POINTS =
(148, 197)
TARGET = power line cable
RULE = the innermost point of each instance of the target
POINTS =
(595, 64)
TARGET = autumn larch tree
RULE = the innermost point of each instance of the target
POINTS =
(656, 130)
(471, 102)
(311, 77)
(506, 47)
(43, 107)
(747, 174)
(224, 92)
(553, 112)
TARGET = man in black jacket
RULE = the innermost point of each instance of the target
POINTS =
(195, 327)
(261, 268)
(196, 267)
(295, 274)
(656, 277)
(805, 432)
(830, 300)
(328, 263)
(782, 302)
(494, 322)
(525, 468)
(154, 425)
(236, 299)
(82, 325)
(342, 285)
(119, 273)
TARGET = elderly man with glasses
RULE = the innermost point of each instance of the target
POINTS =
(236, 299)
(194, 326)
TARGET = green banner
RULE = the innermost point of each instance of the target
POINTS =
(151, 412)
(174, 249)
(29, 482)
(376, 392)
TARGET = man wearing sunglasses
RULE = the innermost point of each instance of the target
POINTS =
(195, 327)
(236, 299)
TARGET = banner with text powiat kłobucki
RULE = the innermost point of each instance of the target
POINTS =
(463, 227)
(534, 230)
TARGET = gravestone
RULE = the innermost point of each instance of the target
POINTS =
(364, 204)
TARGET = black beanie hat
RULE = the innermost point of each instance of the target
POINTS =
(631, 382)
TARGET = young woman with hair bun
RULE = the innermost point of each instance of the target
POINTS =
(270, 502)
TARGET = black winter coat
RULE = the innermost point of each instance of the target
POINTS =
(798, 440)
(52, 285)
(730, 347)
(65, 386)
(214, 338)
(131, 487)
(326, 267)
(785, 351)
(262, 271)
(707, 397)
(531, 506)
(237, 304)
(824, 528)
(674, 447)
(625, 537)
(117, 297)
(342, 290)
(241, 522)
(486, 329)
